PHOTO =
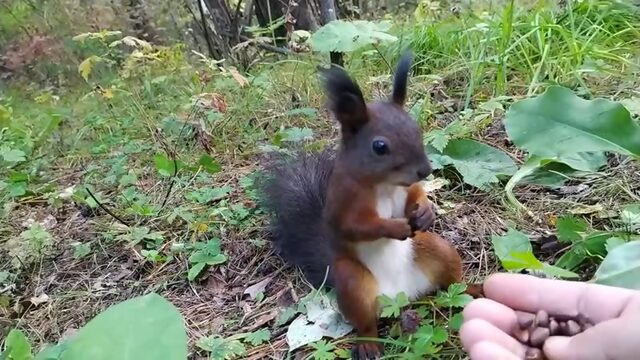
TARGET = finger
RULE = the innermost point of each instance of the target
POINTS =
(529, 293)
(612, 339)
(476, 331)
(485, 350)
(502, 317)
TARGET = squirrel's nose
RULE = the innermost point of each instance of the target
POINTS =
(424, 171)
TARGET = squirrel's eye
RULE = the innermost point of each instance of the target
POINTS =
(380, 147)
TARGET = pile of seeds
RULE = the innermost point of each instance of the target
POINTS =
(534, 329)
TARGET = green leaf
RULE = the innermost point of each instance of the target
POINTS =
(323, 350)
(12, 155)
(515, 253)
(208, 259)
(195, 270)
(221, 349)
(165, 166)
(621, 267)
(209, 165)
(143, 328)
(630, 216)
(348, 36)
(17, 346)
(570, 228)
(438, 139)
(614, 242)
(81, 250)
(454, 296)
(553, 174)
(258, 337)
(391, 307)
(478, 163)
(296, 134)
(455, 322)
(558, 123)
(17, 189)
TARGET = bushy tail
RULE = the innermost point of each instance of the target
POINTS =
(293, 193)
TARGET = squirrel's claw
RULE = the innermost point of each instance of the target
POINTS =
(366, 351)
(423, 217)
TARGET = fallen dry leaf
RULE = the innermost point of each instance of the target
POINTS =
(257, 288)
(40, 299)
(241, 80)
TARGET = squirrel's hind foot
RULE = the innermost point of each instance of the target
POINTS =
(367, 351)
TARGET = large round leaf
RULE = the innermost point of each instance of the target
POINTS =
(558, 123)
(621, 267)
(348, 36)
(478, 163)
(143, 328)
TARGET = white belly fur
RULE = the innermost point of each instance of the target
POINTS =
(391, 261)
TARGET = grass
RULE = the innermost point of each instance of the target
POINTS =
(122, 142)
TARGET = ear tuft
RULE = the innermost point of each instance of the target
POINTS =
(345, 99)
(399, 95)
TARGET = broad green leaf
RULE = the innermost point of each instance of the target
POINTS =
(558, 124)
(12, 155)
(478, 163)
(515, 253)
(208, 259)
(591, 246)
(527, 169)
(621, 267)
(348, 36)
(614, 242)
(17, 189)
(145, 327)
(555, 174)
(630, 216)
(209, 165)
(195, 270)
(165, 166)
(17, 346)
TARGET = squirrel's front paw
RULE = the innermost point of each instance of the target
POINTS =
(422, 217)
(400, 229)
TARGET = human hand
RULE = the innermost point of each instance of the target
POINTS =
(489, 322)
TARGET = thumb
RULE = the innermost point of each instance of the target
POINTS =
(612, 339)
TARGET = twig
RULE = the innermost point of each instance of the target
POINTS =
(383, 58)
(105, 209)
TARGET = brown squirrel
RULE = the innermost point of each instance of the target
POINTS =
(357, 220)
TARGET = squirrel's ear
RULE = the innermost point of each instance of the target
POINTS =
(399, 95)
(345, 99)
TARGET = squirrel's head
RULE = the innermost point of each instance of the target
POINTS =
(380, 141)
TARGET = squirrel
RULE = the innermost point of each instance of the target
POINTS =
(357, 220)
